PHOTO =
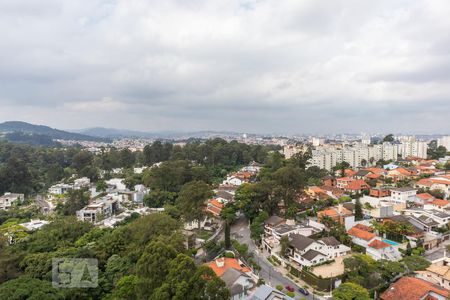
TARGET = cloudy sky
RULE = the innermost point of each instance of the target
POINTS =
(289, 66)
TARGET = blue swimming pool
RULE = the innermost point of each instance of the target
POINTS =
(390, 242)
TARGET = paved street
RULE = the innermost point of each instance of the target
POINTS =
(241, 232)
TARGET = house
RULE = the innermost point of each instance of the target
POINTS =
(379, 192)
(333, 248)
(329, 181)
(427, 219)
(238, 178)
(224, 196)
(423, 198)
(375, 247)
(238, 283)
(403, 195)
(337, 214)
(271, 240)
(410, 288)
(441, 183)
(233, 180)
(7, 200)
(99, 209)
(214, 207)
(34, 224)
(361, 236)
(379, 249)
(437, 273)
(221, 265)
(362, 174)
(272, 222)
(352, 185)
(60, 189)
(401, 173)
(139, 193)
(81, 183)
(117, 184)
(265, 292)
(304, 251)
(439, 204)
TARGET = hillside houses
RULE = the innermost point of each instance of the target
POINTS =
(99, 209)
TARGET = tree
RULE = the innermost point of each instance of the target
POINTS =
(228, 214)
(29, 288)
(77, 199)
(408, 249)
(192, 200)
(101, 186)
(389, 138)
(284, 243)
(363, 162)
(358, 210)
(158, 198)
(350, 291)
(289, 181)
(153, 267)
(416, 263)
(256, 227)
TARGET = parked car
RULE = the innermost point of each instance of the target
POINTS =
(290, 288)
(303, 291)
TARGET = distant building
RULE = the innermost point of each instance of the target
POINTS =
(444, 141)
(99, 209)
(60, 189)
(7, 200)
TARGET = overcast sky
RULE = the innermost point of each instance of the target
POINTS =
(287, 66)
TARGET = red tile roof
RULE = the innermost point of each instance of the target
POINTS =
(357, 185)
(440, 202)
(377, 244)
(362, 234)
(221, 265)
(410, 288)
(425, 196)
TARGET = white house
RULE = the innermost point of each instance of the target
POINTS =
(8, 199)
(305, 251)
(81, 183)
(378, 249)
(375, 247)
(103, 207)
(60, 189)
(117, 183)
(403, 195)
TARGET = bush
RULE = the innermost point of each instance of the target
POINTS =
(279, 287)
(229, 254)
(290, 294)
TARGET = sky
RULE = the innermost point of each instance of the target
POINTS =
(259, 66)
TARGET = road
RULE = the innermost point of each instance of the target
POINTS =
(241, 232)
(44, 205)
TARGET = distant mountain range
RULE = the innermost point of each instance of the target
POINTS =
(23, 127)
(112, 133)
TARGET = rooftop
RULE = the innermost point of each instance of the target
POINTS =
(409, 288)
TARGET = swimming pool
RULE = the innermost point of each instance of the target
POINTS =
(390, 242)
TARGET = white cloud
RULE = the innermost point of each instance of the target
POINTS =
(250, 65)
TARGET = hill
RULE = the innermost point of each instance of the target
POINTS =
(17, 126)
